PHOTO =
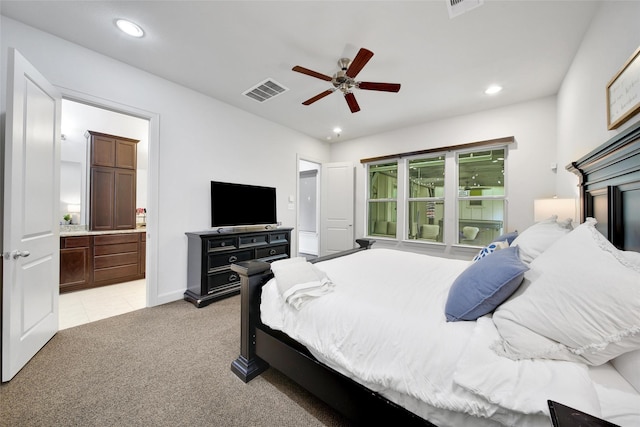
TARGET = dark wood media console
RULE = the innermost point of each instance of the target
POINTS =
(211, 253)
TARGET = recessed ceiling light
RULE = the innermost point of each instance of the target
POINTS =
(337, 130)
(129, 27)
(493, 89)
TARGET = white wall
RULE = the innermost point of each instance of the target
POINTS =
(533, 124)
(611, 39)
(200, 139)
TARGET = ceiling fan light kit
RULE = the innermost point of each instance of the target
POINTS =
(344, 80)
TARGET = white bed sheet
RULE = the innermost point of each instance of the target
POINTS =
(384, 327)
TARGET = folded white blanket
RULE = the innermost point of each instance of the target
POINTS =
(299, 281)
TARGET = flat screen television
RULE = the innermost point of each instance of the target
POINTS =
(242, 205)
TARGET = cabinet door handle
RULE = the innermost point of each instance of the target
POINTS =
(233, 278)
(272, 252)
(233, 258)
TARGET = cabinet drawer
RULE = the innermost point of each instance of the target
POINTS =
(218, 280)
(269, 252)
(256, 240)
(115, 260)
(221, 244)
(112, 239)
(223, 260)
(280, 237)
(115, 249)
(115, 272)
(75, 242)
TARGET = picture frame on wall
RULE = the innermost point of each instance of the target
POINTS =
(623, 92)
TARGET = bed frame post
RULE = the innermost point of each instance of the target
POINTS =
(248, 365)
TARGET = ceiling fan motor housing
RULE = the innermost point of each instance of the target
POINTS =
(340, 79)
(342, 82)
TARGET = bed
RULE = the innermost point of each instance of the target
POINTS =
(549, 330)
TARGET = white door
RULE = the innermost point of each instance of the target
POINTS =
(337, 207)
(31, 234)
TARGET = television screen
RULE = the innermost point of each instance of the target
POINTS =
(240, 204)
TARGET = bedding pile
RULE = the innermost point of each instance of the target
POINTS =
(383, 324)
(300, 281)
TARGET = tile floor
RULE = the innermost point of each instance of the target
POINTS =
(80, 307)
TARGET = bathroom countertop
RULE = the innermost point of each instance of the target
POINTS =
(75, 230)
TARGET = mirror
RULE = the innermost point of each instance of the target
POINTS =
(71, 185)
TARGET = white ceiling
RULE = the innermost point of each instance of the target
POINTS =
(223, 48)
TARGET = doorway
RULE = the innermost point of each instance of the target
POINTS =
(308, 208)
(78, 117)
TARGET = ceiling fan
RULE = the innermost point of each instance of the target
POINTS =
(344, 80)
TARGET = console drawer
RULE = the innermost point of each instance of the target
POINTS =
(219, 280)
(223, 260)
(255, 240)
(221, 244)
(270, 252)
(280, 237)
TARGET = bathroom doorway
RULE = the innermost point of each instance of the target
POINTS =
(88, 305)
(308, 208)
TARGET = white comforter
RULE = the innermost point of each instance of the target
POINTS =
(384, 326)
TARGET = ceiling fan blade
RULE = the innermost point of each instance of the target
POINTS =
(317, 97)
(361, 59)
(351, 101)
(311, 73)
(385, 87)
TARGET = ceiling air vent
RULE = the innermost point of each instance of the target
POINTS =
(265, 90)
(458, 7)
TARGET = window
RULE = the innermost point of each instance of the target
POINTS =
(426, 199)
(382, 199)
(481, 196)
(454, 195)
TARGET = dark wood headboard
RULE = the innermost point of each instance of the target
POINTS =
(610, 188)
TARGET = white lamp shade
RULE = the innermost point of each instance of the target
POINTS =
(563, 208)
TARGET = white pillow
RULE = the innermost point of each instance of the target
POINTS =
(628, 365)
(580, 301)
(537, 238)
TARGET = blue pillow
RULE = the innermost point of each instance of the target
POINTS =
(509, 237)
(484, 285)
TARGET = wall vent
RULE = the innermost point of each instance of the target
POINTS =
(265, 90)
(458, 7)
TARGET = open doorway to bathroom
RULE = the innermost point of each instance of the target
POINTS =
(308, 208)
(87, 305)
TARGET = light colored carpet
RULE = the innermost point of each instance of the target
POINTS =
(159, 366)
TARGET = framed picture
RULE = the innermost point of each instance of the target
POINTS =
(623, 92)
